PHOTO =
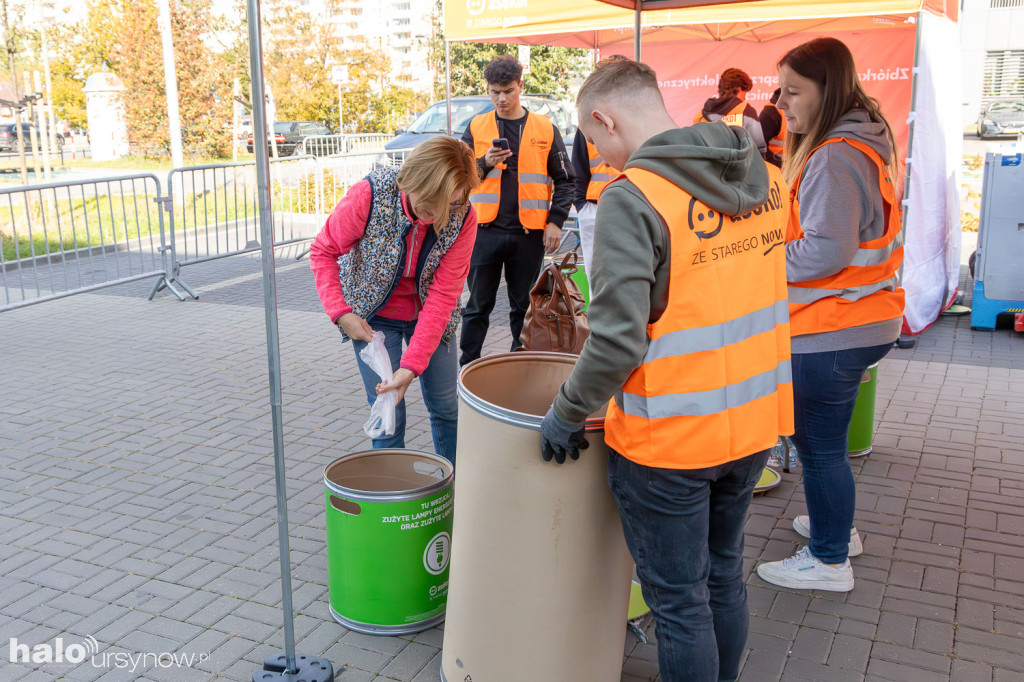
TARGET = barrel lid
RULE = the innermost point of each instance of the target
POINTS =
(387, 475)
(518, 388)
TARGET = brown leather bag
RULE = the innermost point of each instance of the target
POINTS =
(555, 320)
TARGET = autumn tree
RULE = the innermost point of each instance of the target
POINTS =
(204, 81)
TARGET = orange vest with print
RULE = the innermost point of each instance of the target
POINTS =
(600, 173)
(865, 291)
(777, 145)
(715, 384)
(534, 183)
(733, 118)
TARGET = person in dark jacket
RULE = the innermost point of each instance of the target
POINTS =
(773, 127)
(523, 199)
(731, 108)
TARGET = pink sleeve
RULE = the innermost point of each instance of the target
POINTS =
(442, 297)
(343, 229)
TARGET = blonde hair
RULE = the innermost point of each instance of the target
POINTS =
(829, 63)
(435, 170)
(616, 76)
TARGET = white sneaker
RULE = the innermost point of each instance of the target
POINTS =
(802, 525)
(804, 571)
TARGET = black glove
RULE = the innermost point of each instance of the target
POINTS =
(558, 438)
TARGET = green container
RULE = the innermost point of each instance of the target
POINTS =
(580, 277)
(389, 525)
(862, 425)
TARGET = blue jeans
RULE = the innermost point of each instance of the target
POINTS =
(684, 529)
(438, 384)
(825, 387)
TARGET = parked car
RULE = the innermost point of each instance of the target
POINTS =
(434, 121)
(9, 137)
(289, 135)
(1001, 117)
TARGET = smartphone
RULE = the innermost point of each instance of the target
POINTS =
(501, 142)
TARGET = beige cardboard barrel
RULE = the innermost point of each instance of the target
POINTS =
(540, 574)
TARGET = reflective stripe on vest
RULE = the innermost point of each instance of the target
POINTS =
(535, 185)
(715, 383)
(600, 173)
(865, 291)
(733, 118)
(777, 145)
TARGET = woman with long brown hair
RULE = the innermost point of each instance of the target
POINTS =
(843, 251)
(393, 257)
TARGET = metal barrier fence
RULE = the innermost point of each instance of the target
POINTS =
(71, 237)
(66, 238)
(331, 145)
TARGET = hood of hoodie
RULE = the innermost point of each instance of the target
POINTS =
(856, 124)
(720, 105)
(717, 164)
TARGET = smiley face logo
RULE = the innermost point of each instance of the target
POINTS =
(475, 7)
(700, 216)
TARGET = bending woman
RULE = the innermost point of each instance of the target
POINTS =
(393, 257)
(844, 246)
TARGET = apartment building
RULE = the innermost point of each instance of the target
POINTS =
(992, 45)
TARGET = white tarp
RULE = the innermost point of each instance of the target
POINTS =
(931, 255)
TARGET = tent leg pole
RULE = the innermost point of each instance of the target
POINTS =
(284, 666)
(636, 32)
(910, 340)
(448, 81)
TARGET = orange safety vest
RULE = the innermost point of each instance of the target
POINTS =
(600, 173)
(865, 291)
(777, 145)
(534, 182)
(733, 118)
(715, 384)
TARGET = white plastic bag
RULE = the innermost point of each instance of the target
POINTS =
(382, 412)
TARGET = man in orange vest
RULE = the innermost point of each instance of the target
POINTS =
(690, 341)
(773, 128)
(521, 203)
(731, 108)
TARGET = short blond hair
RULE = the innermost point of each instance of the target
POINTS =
(437, 169)
(617, 76)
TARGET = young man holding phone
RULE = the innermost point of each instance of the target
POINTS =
(522, 201)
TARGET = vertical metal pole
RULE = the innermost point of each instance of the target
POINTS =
(49, 93)
(448, 81)
(905, 340)
(266, 219)
(236, 90)
(911, 123)
(44, 130)
(637, 29)
(170, 83)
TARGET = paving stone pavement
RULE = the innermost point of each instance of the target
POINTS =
(137, 504)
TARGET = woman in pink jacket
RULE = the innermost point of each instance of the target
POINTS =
(393, 257)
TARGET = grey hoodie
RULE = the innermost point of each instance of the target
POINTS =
(629, 276)
(840, 206)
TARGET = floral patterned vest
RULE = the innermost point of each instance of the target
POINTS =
(370, 272)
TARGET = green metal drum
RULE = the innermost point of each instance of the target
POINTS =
(862, 426)
(389, 525)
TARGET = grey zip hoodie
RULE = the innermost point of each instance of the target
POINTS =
(629, 276)
(840, 206)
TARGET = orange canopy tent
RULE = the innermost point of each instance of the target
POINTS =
(906, 53)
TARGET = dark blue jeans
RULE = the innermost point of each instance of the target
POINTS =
(825, 387)
(438, 384)
(684, 529)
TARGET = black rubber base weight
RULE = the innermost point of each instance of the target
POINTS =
(308, 669)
